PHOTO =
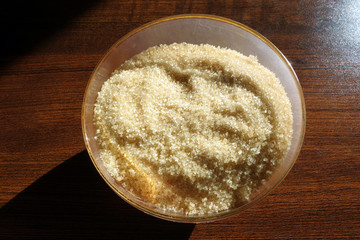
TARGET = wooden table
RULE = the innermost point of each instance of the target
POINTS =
(49, 187)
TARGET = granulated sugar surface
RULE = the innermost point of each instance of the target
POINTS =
(192, 129)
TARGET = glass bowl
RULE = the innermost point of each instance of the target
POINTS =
(195, 29)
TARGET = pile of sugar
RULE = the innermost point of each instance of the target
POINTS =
(192, 129)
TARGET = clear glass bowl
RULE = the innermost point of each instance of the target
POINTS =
(195, 29)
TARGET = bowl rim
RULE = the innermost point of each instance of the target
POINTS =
(215, 216)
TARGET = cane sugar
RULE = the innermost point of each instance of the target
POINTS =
(192, 129)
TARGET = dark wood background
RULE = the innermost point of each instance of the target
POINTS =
(49, 188)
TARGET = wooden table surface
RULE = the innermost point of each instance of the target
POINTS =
(49, 187)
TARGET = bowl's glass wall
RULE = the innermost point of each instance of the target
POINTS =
(197, 30)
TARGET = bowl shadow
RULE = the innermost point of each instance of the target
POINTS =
(73, 201)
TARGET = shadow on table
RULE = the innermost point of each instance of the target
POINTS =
(25, 24)
(73, 201)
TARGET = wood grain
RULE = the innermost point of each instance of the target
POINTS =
(49, 189)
